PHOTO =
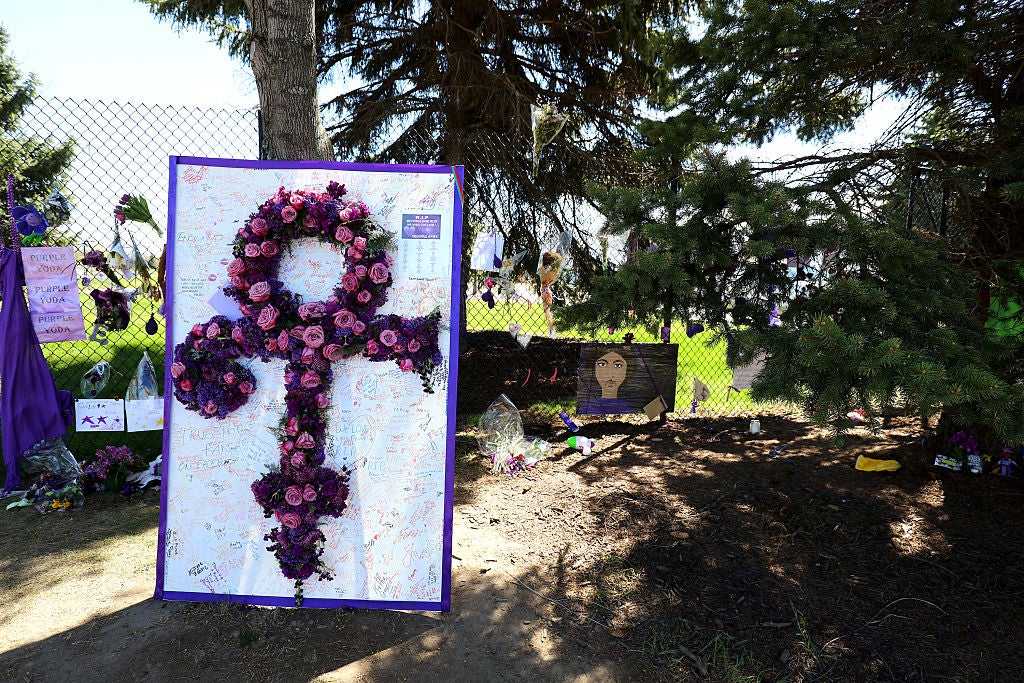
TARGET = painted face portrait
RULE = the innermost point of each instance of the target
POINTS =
(610, 372)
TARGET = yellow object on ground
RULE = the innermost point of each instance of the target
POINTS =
(866, 464)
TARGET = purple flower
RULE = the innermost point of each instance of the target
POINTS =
(379, 273)
(388, 337)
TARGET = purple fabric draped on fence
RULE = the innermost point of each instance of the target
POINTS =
(29, 410)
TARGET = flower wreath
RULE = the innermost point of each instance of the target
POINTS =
(277, 323)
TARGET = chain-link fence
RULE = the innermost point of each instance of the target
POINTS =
(121, 149)
(507, 348)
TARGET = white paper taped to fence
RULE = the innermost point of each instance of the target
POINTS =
(144, 414)
(391, 547)
(743, 376)
(99, 415)
(487, 250)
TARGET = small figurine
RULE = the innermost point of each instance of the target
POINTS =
(1005, 465)
(581, 443)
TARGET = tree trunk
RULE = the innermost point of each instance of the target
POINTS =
(283, 57)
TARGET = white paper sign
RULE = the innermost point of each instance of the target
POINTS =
(145, 414)
(99, 415)
(487, 247)
(743, 375)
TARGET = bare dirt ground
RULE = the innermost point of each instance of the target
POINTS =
(680, 552)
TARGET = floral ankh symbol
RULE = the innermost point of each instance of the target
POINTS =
(209, 379)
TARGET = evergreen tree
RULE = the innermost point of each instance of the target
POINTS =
(37, 164)
(877, 313)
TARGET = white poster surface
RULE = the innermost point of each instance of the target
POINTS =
(391, 547)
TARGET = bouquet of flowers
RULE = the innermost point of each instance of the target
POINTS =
(548, 122)
(111, 467)
(111, 308)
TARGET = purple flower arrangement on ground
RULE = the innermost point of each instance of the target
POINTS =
(111, 467)
(310, 336)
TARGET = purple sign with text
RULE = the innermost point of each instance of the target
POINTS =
(52, 286)
(421, 226)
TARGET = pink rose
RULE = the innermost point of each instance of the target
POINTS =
(246, 388)
(246, 310)
(308, 221)
(210, 408)
(198, 344)
(354, 254)
(305, 440)
(398, 348)
(343, 234)
(289, 377)
(290, 519)
(252, 250)
(236, 267)
(359, 243)
(258, 226)
(388, 337)
(267, 318)
(308, 355)
(406, 365)
(229, 378)
(282, 340)
(379, 273)
(239, 283)
(309, 494)
(314, 336)
(309, 379)
(237, 335)
(334, 352)
(291, 428)
(270, 344)
(359, 327)
(344, 318)
(297, 332)
(361, 271)
(287, 447)
(298, 460)
(322, 400)
(260, 291)
(345, 215)
(297, 201)
(293, 495)
(212, 331)
(349, 282)
(413, 346)
(371, 347)
(288, 214)
(197, 330)
(243, 232)
(185, 384)
(311, 310)
(177, 369)
(269, 248)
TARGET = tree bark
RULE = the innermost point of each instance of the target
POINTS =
(283, 56)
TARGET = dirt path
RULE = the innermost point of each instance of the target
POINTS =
(687, 552)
